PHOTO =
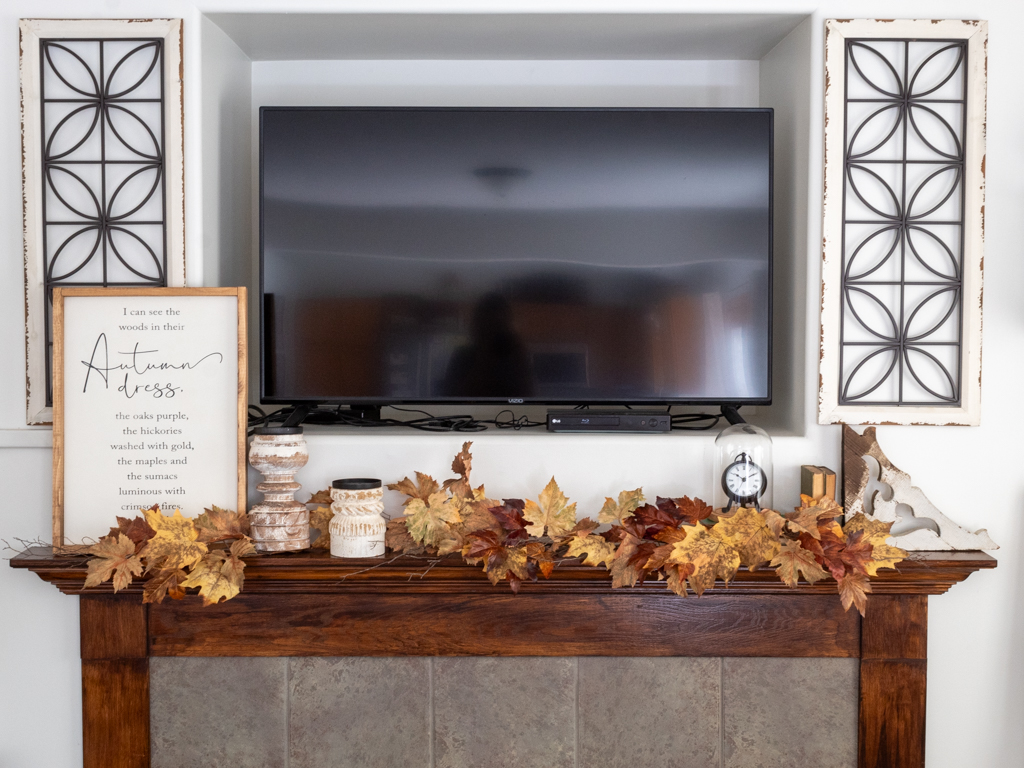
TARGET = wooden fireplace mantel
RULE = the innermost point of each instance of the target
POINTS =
(309, 604)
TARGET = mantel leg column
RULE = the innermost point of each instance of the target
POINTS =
(115, 682)
(893, 680)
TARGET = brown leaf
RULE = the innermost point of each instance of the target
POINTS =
(883, 555)
(218, 524)
(774, 521)
(692, 511)
(166, 583)
(424, 487)
(677, 576)
(322, 498)
(832, 545)
(670, 535)
(220, 576)
(594, 549)
(794, 560)
(113, 557)
(747, 531)
(711, 557)
(499, 560)
(175, 544)
(429, 523)
(136, 529)
(658, 558)
(463, 463)
(616, 512)
(550, 514)
(632, 527)
(479, 517)
(320, 519)
(630, 558)
(853, 590)
(398, 539)
(857, 553)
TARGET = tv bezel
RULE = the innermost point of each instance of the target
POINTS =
(534, 401)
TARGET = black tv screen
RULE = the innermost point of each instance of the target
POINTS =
(418, 255)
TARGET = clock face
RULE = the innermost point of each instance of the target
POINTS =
(744, 480)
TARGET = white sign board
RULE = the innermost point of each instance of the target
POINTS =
(149, 404)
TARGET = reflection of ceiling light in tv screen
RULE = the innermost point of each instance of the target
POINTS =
(543, 255)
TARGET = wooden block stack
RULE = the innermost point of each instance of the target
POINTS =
(817, 482)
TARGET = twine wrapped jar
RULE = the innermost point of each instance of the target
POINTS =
(279, 523)
(357, 528)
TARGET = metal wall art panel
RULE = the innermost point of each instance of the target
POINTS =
(102, 156)
(903, 222)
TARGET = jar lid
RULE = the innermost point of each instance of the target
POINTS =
(278, 430)
(356, 483)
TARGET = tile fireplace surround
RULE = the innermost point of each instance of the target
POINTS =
(323, 662)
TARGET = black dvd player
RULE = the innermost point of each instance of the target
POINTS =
(609, 421)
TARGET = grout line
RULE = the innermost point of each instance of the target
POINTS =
(430, 711)
(287, 711)
(721, 712)
(576, 717)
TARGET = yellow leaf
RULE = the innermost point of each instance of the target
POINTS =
(113, 556)
(774, 521)
(220, 576)
(853, 590)
(615, 512)
(750, 535)
(883, 555)
(320, 518)
(711, 557)
(429, 522)
(550, 513)
(175, 544)
(596, 549)
(793, 560)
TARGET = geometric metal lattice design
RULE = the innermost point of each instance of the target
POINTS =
(903, 222)
(104, 216)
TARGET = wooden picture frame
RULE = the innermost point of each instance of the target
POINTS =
(895, 370)
(152, 302)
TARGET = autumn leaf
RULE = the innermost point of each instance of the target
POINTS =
(793, 560)
(631, 527)
(615, 512)
(463, 463)
(320, 518)
(424, 487)
(857, 553)
(659, 558)
(883, 554)
(853, 590)
(429, 522)
(832, 544)
(691, 511)
(136, 529)
(175, 544)
(113, 557)
(748, 532)
(711, 557)
(677, 576)
(632, 555)
(498, 559)
(166, 583)
(321, 498)
(398, 539)
(774, 521)
(219, 575)
(550, 513)
(477, 516)
(595, 549)
(540, 558)
(218, 524)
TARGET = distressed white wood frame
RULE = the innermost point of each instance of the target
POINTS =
(32, 32)
(968, 412)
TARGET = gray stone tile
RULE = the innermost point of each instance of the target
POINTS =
(359, 712)
(505, 712)
(781, 713)
(215, 713)
(636, 712)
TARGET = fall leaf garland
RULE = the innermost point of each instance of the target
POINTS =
(176, 552)
(683, 542)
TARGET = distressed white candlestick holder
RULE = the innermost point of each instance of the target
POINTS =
(279, 523)
(357, 528)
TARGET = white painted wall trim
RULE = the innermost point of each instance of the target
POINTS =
(968, 413)
(32, 30)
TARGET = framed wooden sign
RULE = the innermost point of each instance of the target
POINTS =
(149, 404)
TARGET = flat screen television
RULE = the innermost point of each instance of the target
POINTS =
(515, 255)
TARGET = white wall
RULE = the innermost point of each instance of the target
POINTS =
(975, 704)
